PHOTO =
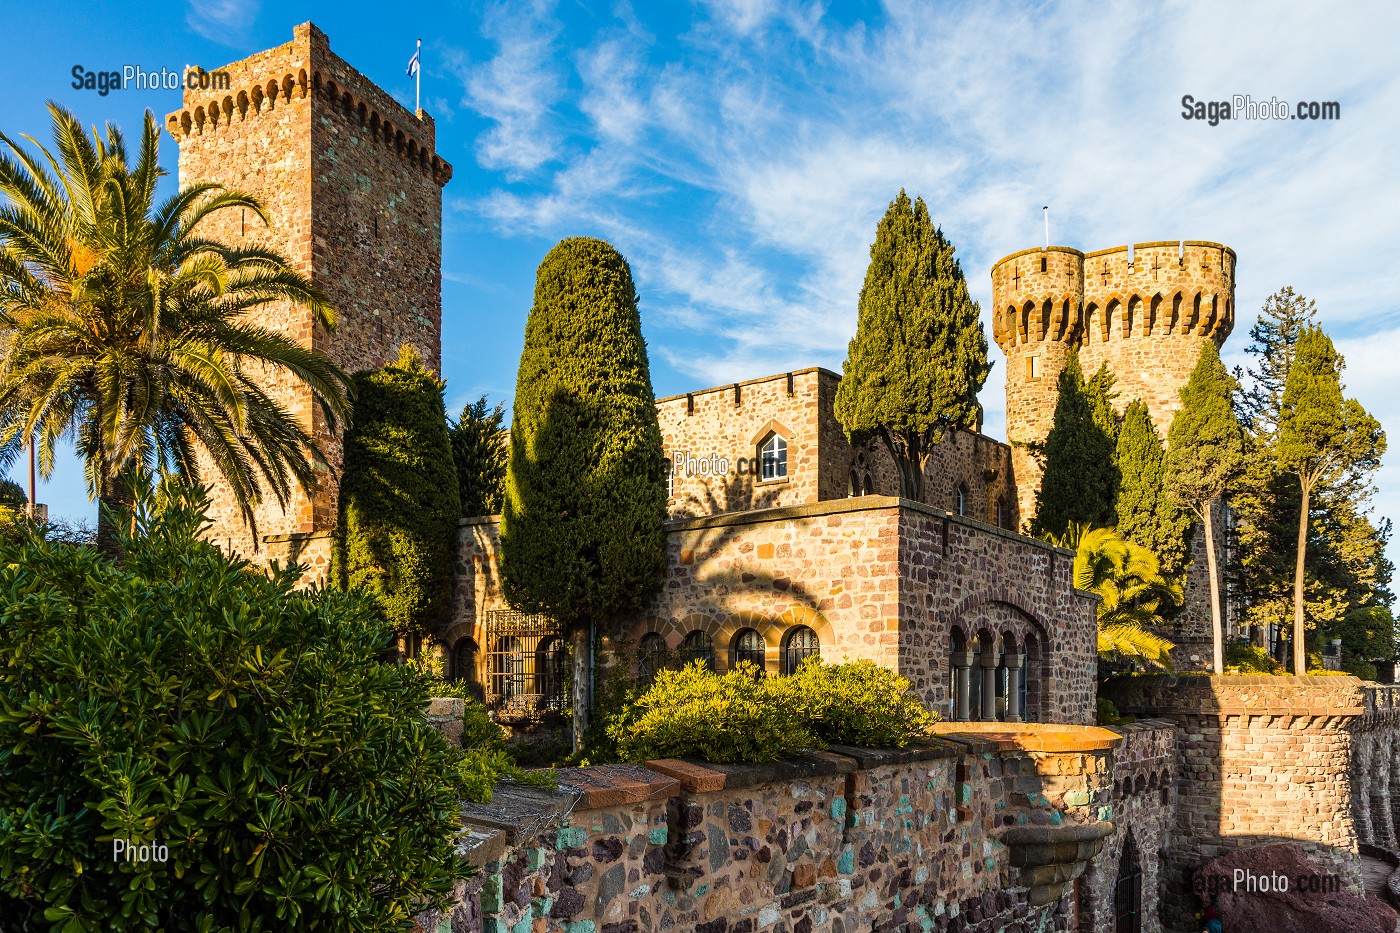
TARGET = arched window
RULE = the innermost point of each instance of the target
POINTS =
(508, 668)
(549, 672)
(651, 656)
(772, 457)
(800, 644)
(1003, 513)
(868, 489)
(698, 647)
(464, 660)
(747, 645)
(853, 485)
(960, 499)
(1127, 891)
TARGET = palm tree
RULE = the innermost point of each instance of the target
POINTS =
(1131, 591)
(124, 328)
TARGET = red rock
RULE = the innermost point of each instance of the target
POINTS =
(1277, 889)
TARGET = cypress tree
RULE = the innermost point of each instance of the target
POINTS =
(1205, 453)
(398, 497)
(1080, 479)
(1147, 515)
(1322, 438)
(581, 527)
(479, 449)
(919, 356)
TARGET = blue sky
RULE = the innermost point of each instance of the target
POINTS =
(740, 154)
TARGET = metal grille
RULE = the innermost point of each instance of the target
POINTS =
(651, 656)
(1127, 893)
(698, 647)
(526, 664)
(748, 646)
(801, 644)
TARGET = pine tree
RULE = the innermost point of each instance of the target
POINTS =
(1284, 317)
(398, 497)
(919, 356)
(581, 527)
(480, 451)
(1147, 514)
(1205, 452)
(1080, 480)
(1323, 438)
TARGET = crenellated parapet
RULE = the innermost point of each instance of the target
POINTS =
(265, 84)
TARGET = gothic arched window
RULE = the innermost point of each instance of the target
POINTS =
(800, 644)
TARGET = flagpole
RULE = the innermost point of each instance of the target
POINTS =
(418, 79)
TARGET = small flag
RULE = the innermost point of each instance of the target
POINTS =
(413, 64)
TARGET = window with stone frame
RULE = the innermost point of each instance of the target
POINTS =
(747, 645)
(526, 664)
(799, 644)
(698, 646)
(960, 499)
(772, 457)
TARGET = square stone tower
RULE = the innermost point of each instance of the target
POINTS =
(353, 187)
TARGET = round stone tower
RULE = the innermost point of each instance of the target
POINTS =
(1145, 310)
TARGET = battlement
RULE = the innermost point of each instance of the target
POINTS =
(303, 69)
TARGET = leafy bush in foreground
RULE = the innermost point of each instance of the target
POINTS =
(185, 700)
(740, 716)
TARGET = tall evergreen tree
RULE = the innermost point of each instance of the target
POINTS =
(1080, 479)
(1205, 452)
(398, 497)
(581, 534)
(919, 356)
(1282, 320)
(480, 451)
(1147, 514)
(1322, 438)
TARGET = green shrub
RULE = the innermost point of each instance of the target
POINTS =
(858, 703)
(740, 716)
(694, 713)
(1244, 658)
(398, 497)
(1108, 714)
(182, 699)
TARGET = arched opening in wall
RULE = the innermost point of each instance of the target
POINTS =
(868, 486)
(698, 646)
(1047, 311)
(1064, 322)
(1127, 890)
(1208, 321)
(551, 661)
(799, 644)
(1033, 677)
(960, 499)
(464, 661)
(853, 484)
(1113, 312)
(1154, 315)
(957, 673)
(1008, 323)
(1175, 320)
(651, 656)
(1091, 324)
(1027, 329)
(747, 646)
(1133, 325)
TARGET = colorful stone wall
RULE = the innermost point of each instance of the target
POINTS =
(975, 832)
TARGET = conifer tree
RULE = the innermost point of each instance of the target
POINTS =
(581, 534)
(398, 497)
(1321, 437)
(1080, 479)
(1205, 452)
(919, 356)
(480, 451)
(1147, 514)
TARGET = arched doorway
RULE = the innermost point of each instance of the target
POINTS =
(1127, 890)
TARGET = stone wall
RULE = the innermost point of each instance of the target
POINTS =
(731, 422)
(352, 188)
(1261, 759)
(875, 577)
(976, 833)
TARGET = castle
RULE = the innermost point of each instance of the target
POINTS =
(783, 541)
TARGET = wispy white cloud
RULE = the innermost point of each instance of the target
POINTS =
(224, 21)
